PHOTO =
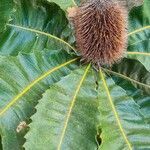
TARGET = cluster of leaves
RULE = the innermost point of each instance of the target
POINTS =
(43, 84)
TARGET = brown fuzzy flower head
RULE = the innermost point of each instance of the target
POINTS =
(100, 27)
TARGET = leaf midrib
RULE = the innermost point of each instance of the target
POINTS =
(27, 88)
(42, 33)
(71, 107)
(138, 53)
(115, 111)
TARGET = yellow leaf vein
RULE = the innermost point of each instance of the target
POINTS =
(138, 30)
(115, 111)
(138, 53)
(71, 107)
(26, 89)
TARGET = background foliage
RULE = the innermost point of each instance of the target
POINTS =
(67, 105)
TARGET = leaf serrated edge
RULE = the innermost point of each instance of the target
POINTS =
(27, 88)
(115, 111)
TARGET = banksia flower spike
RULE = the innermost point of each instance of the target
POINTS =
(100, 28)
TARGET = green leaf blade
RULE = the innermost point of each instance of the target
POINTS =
(23, 80)
(69, 114)
(35, 26)
(135, 80)
(123, 126)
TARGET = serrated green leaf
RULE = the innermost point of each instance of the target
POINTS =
(143, 100)
(139, 36)
(122, 124)
(35, 26)
(67, 115)
(23, 79)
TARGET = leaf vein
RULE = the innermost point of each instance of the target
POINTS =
(115, 111)
(138, 53)
(26, 89)
(42, 33)
(71, 107)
